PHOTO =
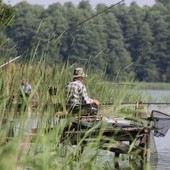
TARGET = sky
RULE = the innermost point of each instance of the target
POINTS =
(46, 3)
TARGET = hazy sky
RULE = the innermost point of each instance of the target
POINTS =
(45, 3)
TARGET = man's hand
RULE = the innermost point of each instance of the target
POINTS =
(96, 102)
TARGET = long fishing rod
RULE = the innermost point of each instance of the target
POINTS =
(10, 61)
(131, 103)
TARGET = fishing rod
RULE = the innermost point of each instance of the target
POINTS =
(132, 103)
(10, 61)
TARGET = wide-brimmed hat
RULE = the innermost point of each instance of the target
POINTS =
(78, 72)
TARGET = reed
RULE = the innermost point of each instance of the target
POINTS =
(20, 149)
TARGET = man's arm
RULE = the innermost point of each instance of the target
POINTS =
(87, 99)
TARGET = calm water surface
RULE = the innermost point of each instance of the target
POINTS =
(163, 148)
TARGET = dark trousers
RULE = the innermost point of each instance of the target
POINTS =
(84, 110)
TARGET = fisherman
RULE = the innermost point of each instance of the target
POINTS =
(26, 87)
(77, 97)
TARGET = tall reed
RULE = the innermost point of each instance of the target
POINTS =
(27, 142)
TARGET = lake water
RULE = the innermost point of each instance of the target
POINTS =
(162, 143)
(163, 149)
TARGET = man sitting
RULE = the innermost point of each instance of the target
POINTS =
(77, 97)
(26, 87)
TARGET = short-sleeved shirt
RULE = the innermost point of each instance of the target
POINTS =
(77, 94)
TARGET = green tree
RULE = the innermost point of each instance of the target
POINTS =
(84, 4)
(125, 40)
(145, 66)
(6, 44)
(159, 28)
(117, 56)
(56, 24)
(25, 25)
(164, 2)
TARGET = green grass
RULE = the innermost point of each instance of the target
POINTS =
(47, 151)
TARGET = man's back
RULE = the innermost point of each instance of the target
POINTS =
(76, 93)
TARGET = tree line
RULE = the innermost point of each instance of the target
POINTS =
(129, 41)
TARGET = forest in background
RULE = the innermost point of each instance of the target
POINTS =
(130, 41)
